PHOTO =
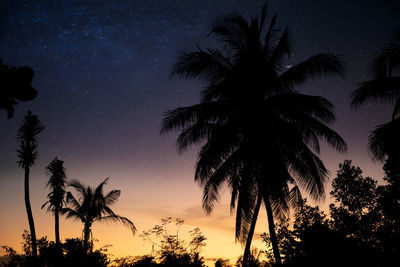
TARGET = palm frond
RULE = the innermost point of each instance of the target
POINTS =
(112, 197)
(292, 102)
(71, 200)
(384, 140)
(281, 49)
(98, 193)
(386, 60)
(396, 109)
(70, 213)
(320, 65)
(27, 136)
(306, 125)
(229, 30)
(384, 89)
(194, 134)
(263, 17)
(116, 218)
(270, 37)
(78, 186)
(180, 118)
(295, 196)
(217, 176)
(208, 66)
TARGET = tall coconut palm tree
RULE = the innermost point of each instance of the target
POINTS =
(259, 134)
(27, 154)
(384, 87)
(56, 182)
(93, 206)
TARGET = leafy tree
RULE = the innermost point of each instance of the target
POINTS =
(257, 130)
(388, 204)
(172, 250)
(93, 206)
(56, 182)
(27, 154)
(356, 195)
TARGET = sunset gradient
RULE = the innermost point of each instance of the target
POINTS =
(102, 71)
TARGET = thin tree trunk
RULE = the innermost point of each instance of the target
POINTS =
(30, 216)
(86, 237)
(251, 232)
(57, 225)
(271, 227)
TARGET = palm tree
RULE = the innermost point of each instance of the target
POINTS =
(93, 206)
(384, 87)
(259, 134)
(27, 154)
(56, 182)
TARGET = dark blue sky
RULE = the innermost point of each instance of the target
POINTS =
(102, 70)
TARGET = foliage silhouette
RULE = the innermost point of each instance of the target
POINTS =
(361, 229)
(172, 250)
(253, 259)
(356, 195)
(15, 85)
(93, 206)
(69, 253)
(384, 142)
(56, 182)
(27, 154)
(222, 263)
(384, 87)
(259, 134)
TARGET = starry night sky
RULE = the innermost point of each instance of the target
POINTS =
(102, 70)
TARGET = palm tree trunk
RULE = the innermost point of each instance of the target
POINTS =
(251, 231)
(86, 231)
(30, 216)
(271, 227)
(57, 225)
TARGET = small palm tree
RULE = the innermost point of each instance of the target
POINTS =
(56, 182)
(93, 206)
(27, 154)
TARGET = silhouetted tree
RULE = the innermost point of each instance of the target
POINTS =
(56, 182)
(384, 87)
(388, 204)
(15, 85)
(356, 196)
(260, 134)
(93, 206)
(27, 154)
(172, 250)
